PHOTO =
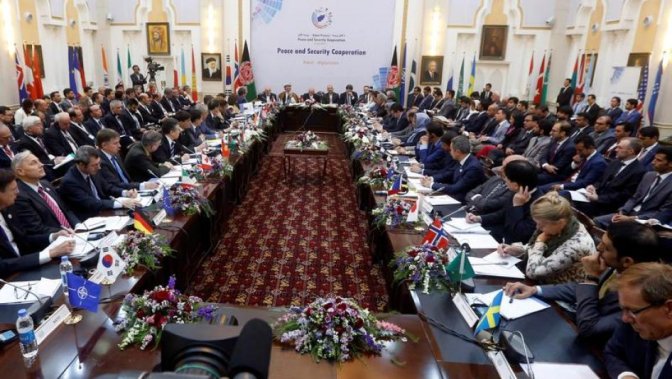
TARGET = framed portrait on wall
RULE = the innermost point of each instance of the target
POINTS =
(212, 67)
(158, 38)
(493, 42)
(638, 59)
(432, 69)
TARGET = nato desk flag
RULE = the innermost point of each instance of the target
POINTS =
(460, 268)
(83, 293)
(491, 318)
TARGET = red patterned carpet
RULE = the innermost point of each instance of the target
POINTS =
(289, 242)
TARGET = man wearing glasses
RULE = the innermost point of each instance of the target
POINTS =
(642, 348)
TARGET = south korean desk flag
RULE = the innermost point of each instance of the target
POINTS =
(110, 264)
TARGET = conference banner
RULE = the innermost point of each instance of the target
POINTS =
(315, 43)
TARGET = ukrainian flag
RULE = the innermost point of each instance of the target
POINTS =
(472, 77)
(491, 318)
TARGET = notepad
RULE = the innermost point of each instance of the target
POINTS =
(417, 185)
(488, 268)
(42, 287)
(508, 260)
(477, 241)
(412, 175)
(579, 195)
(441, 200)
(509, 310)
(543, 370)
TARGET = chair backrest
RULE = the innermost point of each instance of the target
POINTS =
(585, 220)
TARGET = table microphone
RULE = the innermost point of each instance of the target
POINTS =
(252, 356)
(438, 191)
(453, 212)
(152, 174)
(35, 310)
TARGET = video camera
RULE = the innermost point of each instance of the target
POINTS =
(153, 68)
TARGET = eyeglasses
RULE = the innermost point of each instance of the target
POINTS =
(633, 313)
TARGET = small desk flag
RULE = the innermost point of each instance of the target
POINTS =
(491, 318)
(83, 293)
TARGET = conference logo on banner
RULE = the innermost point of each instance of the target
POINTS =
(322, 17)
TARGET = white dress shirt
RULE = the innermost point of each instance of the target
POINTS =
(44, 254)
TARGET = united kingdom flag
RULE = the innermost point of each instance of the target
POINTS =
(436, 236)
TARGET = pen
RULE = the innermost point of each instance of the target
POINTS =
(512, 295)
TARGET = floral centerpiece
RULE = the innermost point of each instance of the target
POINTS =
(335, 329)
(368, 154)
(308, 140)
(424, 267)
(140, 249)
(216, 168)
(147, 314)
(392, 213)
(358, 136)
(185, 198)
(376, 177)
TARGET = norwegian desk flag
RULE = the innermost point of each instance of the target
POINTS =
(492, 316)
(83, 293)
(396, 186)
(436, 236)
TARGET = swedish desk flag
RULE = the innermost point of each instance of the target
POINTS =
(83, 293)
(491, 318)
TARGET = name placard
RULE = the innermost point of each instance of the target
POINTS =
(51, 323)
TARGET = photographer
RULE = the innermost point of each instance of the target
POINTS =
(137, 78)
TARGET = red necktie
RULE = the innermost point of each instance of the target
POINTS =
(54, 208)
(8, 152)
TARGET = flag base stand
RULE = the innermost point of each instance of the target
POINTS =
(73, 319)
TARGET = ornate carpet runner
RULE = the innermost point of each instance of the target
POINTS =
(289, 242)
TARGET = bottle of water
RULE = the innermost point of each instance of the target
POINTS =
(65, 267)
(27, 340)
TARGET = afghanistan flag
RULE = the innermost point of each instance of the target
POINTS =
(393, 75)
(245, 75)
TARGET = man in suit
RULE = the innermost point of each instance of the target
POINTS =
(78, 130)
(618, 183)
(95, 123)
(467, 175)
(211, 71)
(397, 120)
(330, 97)
(17, 252)
(430, 74)
(513, 222)
(427, 98)
(580, 103)
(556, 165)
(267, 96)
(615, 111)
(588, 162)
(112, 170)
(32, 140)
(190, 136)
(620, 131)
(493, 194)
(311, 97)
(169, 101)
(631, 115)
(522, 140)
(58, 139)
(428, 152)
(539, 143)
(139, 163)
(486, 96)
(653, 197)
(596, 303)
(170, 145)
(144, 104)
(55, 105)
(649, 136)
(641, 344)
(364, 97)
(415, 98)
(583, 127)
(215, 120)
(565, 95)
(288, 97)
(117, 120)
(448, 109)
(481, 122)
(603, 134)
(86, 193)
(6, 153)
(69, 99)
(108, 94)
(592, 109)
(349, 97)
(137, 78)
(441, 171)
(133, 117)
(184, 97)
(156, 106)
(38, 208)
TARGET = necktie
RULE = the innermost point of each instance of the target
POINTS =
(119, 171)
(172, 148)
(8, 152)
(652, 188)
(4, 240)
(54, 208)
(71, 141)
(642, 154)
(100, 126)
(663, 368)
(94, 191)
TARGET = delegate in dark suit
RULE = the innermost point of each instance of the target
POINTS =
(565, 96)
(82, 136)
(268, 98)
(5, 160)
(163, 153)
(560, 158)
(513, 223)
(170, 105)
(590, 172)
(189, 139)
(330, 98)
(93, 126)
(489, 196)
(432, 156)
(648, 156)
(158, 112)
(78, 194)
(119, 123)
(519, 144)
(56, 143)
(464, 179)
(352, 97)
(31, 213)
(139, 164)
(626, 351)
(28, 144)
(109, 174)
(147, 115)
(393, 124)
(614, 188)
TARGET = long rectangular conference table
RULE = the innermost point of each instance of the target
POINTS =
(89, 348)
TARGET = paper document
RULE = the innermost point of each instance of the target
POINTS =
(477, 241)
(579, 195)
(509, 310)
(392, 152)
(484, 267)
(111, 223)
(460, 225)
(68, 159)
(417, 185)
(166, 181)
(442, 200)
(42, 287)
(543, 370)
(507, 261)
(412, 175)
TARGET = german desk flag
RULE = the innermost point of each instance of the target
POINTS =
(141, 223)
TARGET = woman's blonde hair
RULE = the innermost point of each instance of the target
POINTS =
(551, 207)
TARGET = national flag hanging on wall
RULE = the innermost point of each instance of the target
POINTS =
(194, 88)
(28, 74)
(229, 79)
(575, 75)
(450, 84)
(37, 75)
(530, 79)
(402, 85)
(460, 82)
(411, 80)
(80, 64)
(643, 86)
(472, 77)
(235, 66)
(21, 85)
(579, 87)
(129, 64)
(245, 76)
(183, 69)
(656, 90)
(120, 74)
(540, 81)
(71, 70)
(547, 75)
(77, 72)
(393, 74)
(176, 79)
(106, 73)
